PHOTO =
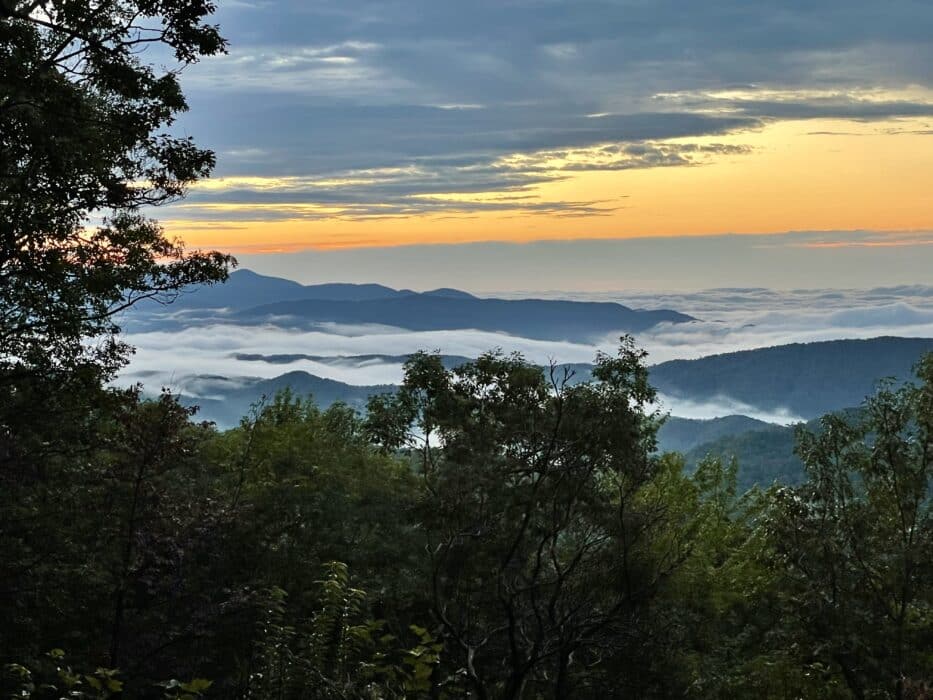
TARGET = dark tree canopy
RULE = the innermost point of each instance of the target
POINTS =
(86, 109)
(535, 487)
(852, 545)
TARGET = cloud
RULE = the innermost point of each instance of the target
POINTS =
(308, 136)
(515, 49)
(449, 89)
(433, 185)
(744, 319)
(719, 406)
(805, 104)
(213, 349)
(735, 318)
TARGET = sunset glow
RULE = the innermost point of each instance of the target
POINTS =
(440, 125)
(794, 175)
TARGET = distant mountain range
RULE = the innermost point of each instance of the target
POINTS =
(225, 401)
(806, 379)
(686, 434)
(449, 361)
(765, 451)
(246, 288)
(529, 318)
(249, 298)
(764, 454)
(809, 379)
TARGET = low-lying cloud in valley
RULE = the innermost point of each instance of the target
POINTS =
(718, 406)
(173, 356)
(729, 320)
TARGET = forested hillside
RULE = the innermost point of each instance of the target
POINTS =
(831, 376)
(764, 456)
(242, 563)
(225, 402)
(684, 434)
(807, 379)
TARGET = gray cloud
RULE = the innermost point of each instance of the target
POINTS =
(490, 44)
(395, 192)
(304, 136)
(839, 107)
(312, 89)
(294, 210)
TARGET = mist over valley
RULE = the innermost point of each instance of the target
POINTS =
(209, 340)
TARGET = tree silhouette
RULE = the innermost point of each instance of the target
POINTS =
(84, 146)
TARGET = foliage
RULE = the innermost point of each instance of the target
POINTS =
(315, 490)
(101, 504)
(52, 678)
(852, 546)
(336, 653)
(83, 146)
(534, 487)
(112, 536)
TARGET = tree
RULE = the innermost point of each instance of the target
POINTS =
(85, 145)
(110, 555)
(314, 490)
(337, 653)
(542, 513)
(851, 546)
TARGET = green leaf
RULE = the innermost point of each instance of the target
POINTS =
(197, 685)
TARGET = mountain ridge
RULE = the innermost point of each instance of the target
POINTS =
(807, 379)
(246, 288)
(249, 298)
(531, 318)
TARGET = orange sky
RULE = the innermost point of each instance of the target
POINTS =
(797, 175)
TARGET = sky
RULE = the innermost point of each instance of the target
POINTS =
(505, 145)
